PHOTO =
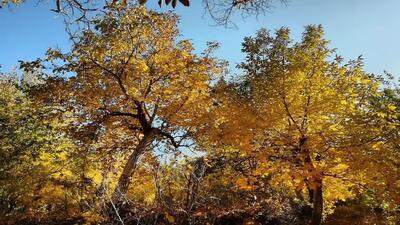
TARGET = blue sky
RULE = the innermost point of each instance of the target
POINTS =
(355, 27)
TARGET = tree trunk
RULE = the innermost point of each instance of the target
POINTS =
(189, 192)
(314, 185)
(130, 167)
(317, 204)
(310, 194)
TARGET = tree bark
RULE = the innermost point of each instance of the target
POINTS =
(130, 166)
(314, 184)
(310, 194)
(317, 204)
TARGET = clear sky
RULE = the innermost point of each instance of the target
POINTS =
(355, 27)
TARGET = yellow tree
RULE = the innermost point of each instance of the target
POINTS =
(318, 126)
(33, 149)
(138, 82)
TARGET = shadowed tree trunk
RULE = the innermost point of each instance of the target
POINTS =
(314, 183)
(130, 167)
(317, 204)
(149, 135)
(310, 194)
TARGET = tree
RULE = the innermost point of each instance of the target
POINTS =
(318, 124)
(33, 147)
(132, 77)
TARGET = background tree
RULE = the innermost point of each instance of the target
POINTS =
(318, 124)
(33, 150)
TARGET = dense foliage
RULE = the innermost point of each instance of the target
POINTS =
(133, 127)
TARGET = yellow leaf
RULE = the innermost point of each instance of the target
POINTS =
(381, 114)
(243, 184)
(169, 218)
(333, 127)
(391, 107)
